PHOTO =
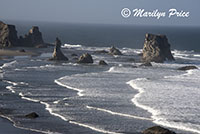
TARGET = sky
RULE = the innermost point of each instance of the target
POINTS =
(99, 11)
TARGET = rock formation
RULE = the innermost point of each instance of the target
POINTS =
(9, 38)
(156, 49)
(102, 62)
(101, 52)
(187, 68)
(146, 64)
(32, 39)
(157, 130)
(85, 58)
(8, 35)
(57, 54)
(114, 51)
(32, 115)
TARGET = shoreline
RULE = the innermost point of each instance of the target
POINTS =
(10, 123)
(7, 127)
(8, 52)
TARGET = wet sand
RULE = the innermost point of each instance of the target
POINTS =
(4, 52)
(6, 127)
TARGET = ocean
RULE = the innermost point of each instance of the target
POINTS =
(118, 98)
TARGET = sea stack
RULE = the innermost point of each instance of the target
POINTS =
(8, 35)
(32, 39)
(57, 54)
(114, 51)
(85, 58)
(156, 49)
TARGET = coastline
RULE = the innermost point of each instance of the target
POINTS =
(7, 127)
(7, 52)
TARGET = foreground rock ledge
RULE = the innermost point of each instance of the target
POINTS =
(156, 49)
(57, 54)
(157, 130)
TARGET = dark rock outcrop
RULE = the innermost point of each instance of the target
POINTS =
(114, 51)
(22, 50)
(101, 52)
(57, 54)
(32, 39)
(102, 62)
(32, 115)
(85, 58)
(157, 130)
(9, 38)
(8, 35)
(74, 55)
(187, 68)
(156, 49)
(146, 64)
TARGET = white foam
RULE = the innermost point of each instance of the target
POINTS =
(73, 88)
(196, 55)
(93, 128)
(41, 67)
(176, 125)
(26, 98)
(10, 82)
(51, 111)
(140, 92)
(71, 46)
(29, 129)
(73, 122)
(112, 69)
(9, 64)
(10, 88)
(116, 113)
(155, 113)
(56, 102)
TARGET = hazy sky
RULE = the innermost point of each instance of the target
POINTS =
(97, 11)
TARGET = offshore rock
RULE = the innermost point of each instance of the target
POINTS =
(187, 68)
(101, 52)
(57, 54)
(32, 39)
(146, 64)
(85, 58)
(8, 35)
(102, 62)
(157, 130)
(114, 51)
(156, 49)
(32, 115)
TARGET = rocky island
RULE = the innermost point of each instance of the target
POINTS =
(156, 49)
(9, 37)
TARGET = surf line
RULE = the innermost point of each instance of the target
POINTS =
(159, 121)
(28, 129)
(47, 107)
(120, 114)
(69, 87)
(93, 128)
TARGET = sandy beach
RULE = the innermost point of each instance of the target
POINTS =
(6, 52)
